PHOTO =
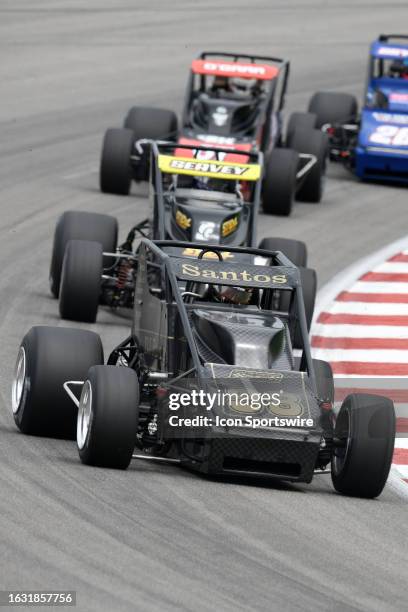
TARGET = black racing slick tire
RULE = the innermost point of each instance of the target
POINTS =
(295, 250)
(333, 108)
(279, 183)
(152, 124)
(78, 225)
(308, 278)
(81, 281)
(316, 143)
(115, 172)
(363, 445)
(299, 121)
(108, 417)
(47, 358)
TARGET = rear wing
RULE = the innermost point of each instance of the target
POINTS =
(212, 169)
(385, 48)
(262, 72)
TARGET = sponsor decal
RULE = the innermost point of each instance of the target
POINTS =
(392, 52)
(196, 166)
(398, 98)
(232, 69)
(391, 118)
(229, 226)
(220, 116)
(233, 276)
(252, 70)
(206, 231)
(212, 169)
(390, 135)
(182, 220)
(214, 139)
(209, 255)
(256, 374)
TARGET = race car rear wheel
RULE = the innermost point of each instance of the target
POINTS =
(299, 121)
(47, 358)
(81, 281)
(295, 250)
(333, 108)
(115, 173)
(364, 444)
(316, 143)
(108, 417)
(309, 288)
(78, 225)
(154, 124)
(279, 182)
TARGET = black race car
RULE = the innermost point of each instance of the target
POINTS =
(206, 378)
(232, 101)
(192, 199)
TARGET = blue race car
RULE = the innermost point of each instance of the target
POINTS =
(374, 144)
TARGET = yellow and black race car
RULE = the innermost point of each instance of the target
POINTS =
(193, 198)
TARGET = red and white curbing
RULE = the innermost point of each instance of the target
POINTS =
(361, 328)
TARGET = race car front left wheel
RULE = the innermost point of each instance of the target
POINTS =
(299, 121)
(152, 124)
(47, 358)
(108, 417)
(81, 281)
(363, 445)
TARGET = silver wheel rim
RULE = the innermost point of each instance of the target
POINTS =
(84, 415)
(18, 380)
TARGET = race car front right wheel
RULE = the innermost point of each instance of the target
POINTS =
(115, 172)
(47, 358)
(153, 124)
(316, 143)
(108, 417)
(295, 250)
(363, 445)
(299, 121)
(81, 281)
(78, 225)
(279, 182)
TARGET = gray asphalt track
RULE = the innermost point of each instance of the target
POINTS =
(156, 537)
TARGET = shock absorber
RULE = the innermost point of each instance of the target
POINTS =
(124, 274)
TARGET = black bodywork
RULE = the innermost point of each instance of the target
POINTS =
(183, 337)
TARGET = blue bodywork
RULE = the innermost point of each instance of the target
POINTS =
(382, 146)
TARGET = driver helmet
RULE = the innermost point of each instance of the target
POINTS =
(399, 68)
(219, 83)
(243, 86)
(234, 295)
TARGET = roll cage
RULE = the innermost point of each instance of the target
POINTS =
(275, 89)
(157, 180)
(164, 258)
